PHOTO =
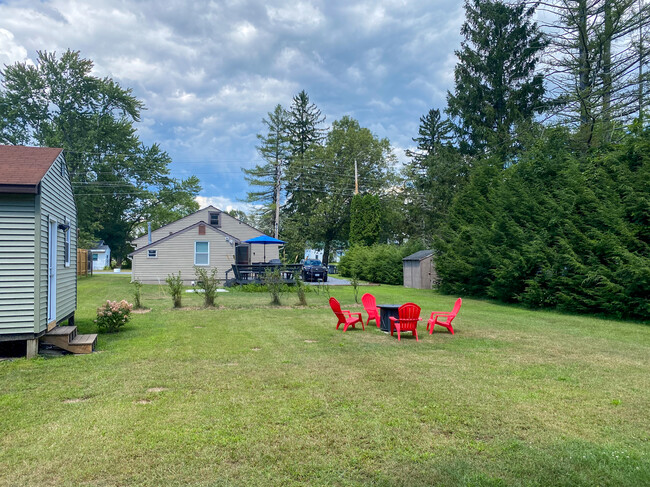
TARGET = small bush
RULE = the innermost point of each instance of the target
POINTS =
(175, 284)
(274, 283)
(301, 291)
(113, 315)
(137, 298)
(354, 280)
(208, 283)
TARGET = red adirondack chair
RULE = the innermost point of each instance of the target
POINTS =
(409, 315)
(370, 305)
(348, 320)
(449, 317)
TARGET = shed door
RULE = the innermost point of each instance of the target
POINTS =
(51, 273)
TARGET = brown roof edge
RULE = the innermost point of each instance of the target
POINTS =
(19, 188)
(183, 231)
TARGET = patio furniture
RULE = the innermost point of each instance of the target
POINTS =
(350, 320)
(370, 305)
(386, 311)
(449, 317)
(409, 315)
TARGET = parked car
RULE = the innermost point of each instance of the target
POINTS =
(313, 270)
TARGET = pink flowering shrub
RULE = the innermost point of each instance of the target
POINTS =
(113, 315)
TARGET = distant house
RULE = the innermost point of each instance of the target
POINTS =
(208, 238)
(101, 256)
(38, 243)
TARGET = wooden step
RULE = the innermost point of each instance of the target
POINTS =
(83, 343)
(66, 337)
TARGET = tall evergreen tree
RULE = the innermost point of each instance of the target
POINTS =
(435, 172)
(496, 85)
(274, 149)
(306, 135)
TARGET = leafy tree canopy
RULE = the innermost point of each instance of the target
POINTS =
(119, 183)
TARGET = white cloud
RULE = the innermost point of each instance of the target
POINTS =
(223, 203)
(10, 51)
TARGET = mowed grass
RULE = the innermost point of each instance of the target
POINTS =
(249, 394)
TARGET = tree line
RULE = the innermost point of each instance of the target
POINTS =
(531, 185)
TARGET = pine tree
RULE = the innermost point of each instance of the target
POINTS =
(274, 149)
(434, 174)
(496, 85)
(305, 133)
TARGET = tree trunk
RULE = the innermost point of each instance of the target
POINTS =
(607, 66)
(326, 252)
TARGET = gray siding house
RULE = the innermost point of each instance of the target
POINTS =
(209, 238)
(38, 244)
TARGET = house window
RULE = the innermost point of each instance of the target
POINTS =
(201, 253)
(214, 219)
(66, 247)
(95, 257)
(152, 254)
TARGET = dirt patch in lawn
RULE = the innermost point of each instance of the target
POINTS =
(140, 311)
(142, 401)
(75, 400)
(156, 389)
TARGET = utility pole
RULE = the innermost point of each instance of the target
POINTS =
(356, 179)
(276, 223)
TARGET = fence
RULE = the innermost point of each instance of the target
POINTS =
(84, 262)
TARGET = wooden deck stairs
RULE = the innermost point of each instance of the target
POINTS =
(66, 337)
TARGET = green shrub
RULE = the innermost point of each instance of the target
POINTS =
(175, 284)
(301, 288)
(113, 315)
(381, 263)
(137, 298)
(275, 285)
(208, 282)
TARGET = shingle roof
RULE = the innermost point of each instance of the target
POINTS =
(422, 254)
(25, 166)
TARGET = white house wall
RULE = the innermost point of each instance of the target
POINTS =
(177, 254)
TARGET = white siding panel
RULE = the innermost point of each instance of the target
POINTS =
(57, 202)
(17, 217)
(177, 254)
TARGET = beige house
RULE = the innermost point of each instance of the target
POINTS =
(207, 238)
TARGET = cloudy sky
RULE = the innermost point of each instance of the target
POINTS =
(209, 71)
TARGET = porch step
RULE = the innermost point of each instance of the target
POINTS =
(66, 337)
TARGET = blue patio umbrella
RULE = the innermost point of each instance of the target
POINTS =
(264, 240)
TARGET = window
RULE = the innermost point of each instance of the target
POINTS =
(152, 254)
(201, 253)
(214, 219)
(66, 247)
(95, 257)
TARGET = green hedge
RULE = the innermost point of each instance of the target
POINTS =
(380, 263)
(557, 230)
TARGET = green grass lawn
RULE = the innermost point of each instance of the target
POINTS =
(247, 394)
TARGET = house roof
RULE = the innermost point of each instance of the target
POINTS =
(153, 244)
(422, 254)
(22, 168)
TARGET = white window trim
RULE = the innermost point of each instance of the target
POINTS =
(68, 251)
(202, 253)
(154, 256)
